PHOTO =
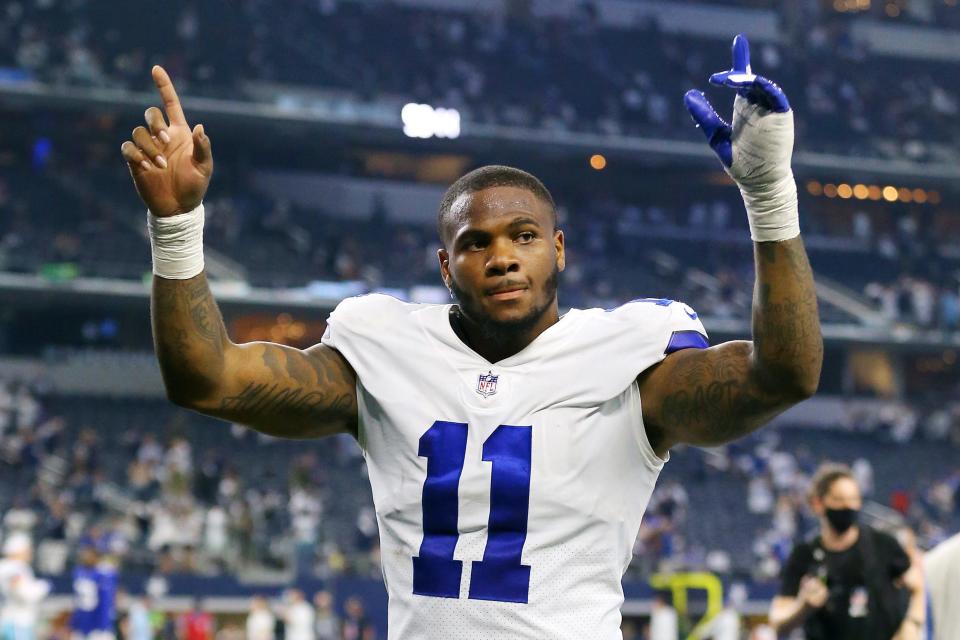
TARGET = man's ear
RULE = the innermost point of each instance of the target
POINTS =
(444, 259)
(559, 243)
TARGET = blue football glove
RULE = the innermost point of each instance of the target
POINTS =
(757, 148)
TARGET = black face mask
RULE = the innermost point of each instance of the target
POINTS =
(842, 519)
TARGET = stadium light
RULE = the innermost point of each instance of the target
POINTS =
(424, 121)
(860, 191)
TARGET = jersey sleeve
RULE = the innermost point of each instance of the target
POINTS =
(653, 328)
(360, 326)
(793, 571)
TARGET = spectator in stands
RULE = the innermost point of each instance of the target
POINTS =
(726, 624)
(138, 620)
(298, 617)
(20, 592)
(664, 624)
(261, 623)
(196, 624)
(356, 624)
(328, 624)
(850, 580)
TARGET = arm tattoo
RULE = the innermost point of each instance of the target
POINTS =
(273, 388)
(786, 322)
(260, 400)
(719, 394)
(299, 395)
(189, 335)
(204, 313)
(714, 397)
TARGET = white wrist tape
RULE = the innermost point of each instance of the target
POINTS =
(762, 148)
(772, 211)
(177, 243)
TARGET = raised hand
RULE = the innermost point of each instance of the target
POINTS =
(758, 147)
(171, 164)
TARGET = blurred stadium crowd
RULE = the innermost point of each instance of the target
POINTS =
(567, 73)
(898, 258)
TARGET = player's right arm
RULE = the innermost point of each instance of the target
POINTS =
(272, 388)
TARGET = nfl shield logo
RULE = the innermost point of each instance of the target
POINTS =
(487, 384)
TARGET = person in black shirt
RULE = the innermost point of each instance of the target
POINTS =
(850, 582)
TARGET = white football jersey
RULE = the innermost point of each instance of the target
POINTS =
(508, 494)
(20, 594)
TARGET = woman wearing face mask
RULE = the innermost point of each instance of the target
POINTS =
(850, 581)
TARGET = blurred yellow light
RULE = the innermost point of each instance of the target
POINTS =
(598, 162)
(933, 197)
(814, 188)
(830, 190)
(860, 192)
(839, 5)
(905, 194)
(919, 195)
(874, 192)
(890, 194)
(845, 191)
(863, 5)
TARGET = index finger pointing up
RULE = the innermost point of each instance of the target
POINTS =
(171, 103)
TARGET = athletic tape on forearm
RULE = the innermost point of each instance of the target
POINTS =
(762, 151)
(177, 243)
(772, 210)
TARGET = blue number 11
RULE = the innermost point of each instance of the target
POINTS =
(500, 575)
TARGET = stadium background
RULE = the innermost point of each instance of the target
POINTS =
(336, 125)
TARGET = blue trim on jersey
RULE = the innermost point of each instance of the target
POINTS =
(660, 302)
(686, 339)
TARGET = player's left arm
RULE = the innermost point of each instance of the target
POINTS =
(712, 396)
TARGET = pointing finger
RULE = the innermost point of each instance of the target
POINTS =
(741, 54)
(171, 103)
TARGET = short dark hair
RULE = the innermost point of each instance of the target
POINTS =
(494, 175)
(825, 476)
